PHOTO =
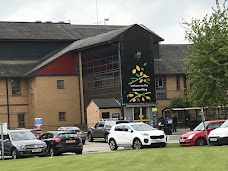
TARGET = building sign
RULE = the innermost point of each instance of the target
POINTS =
(137, 67)
(38, 121)
(139, 84)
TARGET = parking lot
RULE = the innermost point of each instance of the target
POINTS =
(101, 146)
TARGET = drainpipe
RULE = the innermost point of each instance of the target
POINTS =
(83, 117)
(7, 103)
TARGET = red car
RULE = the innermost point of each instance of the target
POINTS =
(197, 137)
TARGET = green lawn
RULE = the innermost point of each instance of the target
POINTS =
(170, 158)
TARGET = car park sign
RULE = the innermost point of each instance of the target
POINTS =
(38, 121)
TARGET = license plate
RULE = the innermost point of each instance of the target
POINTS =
(36, 150)
(158, 140)
(70, 141)
(213, 139)
(182, 140)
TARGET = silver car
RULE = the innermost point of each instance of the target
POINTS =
(23, 143)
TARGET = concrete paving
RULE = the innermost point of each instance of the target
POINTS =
(101, 146)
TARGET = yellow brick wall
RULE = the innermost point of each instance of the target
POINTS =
(172, 92)
(17, 104)
(111, 111)
(94, 114)
(48, 101)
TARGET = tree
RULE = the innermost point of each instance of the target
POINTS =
(206, 64)
(180, 102)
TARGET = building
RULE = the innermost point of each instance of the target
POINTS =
(53, 70)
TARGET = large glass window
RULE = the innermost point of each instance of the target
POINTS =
(16, 87)
(101, 78)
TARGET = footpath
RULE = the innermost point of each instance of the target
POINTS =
(174, 138)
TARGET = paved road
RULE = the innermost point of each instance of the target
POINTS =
(101, 146)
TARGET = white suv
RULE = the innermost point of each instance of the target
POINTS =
(219, 136)
(136, 135)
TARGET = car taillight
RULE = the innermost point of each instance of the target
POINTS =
(56, 139)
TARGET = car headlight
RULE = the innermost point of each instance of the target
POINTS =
(191, 136)
(21, 146)
(145, 134)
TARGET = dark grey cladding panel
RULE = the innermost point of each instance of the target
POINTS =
(20, 50)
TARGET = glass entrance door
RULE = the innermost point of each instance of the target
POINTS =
(140, 114)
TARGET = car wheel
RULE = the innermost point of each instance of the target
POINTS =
(15, 154)
(200, 142)
(90, 137)
(83, 142)
(112, 144)
(106, 138)
(137, 144)
(163, 145)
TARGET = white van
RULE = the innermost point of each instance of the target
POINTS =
(219, 136)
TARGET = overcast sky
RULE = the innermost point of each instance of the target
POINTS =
(161, 16)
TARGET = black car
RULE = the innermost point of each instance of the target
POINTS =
(59, 142)
(75, 129)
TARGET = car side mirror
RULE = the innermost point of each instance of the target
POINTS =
(7, 140)
(130, 130)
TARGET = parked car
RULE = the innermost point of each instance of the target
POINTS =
(23, 143)
(36, 132)
(197, 137)
(219, 136)
(136, 135)
(102, 128)
(75, 129)
(59, 142)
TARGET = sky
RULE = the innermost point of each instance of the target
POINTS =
(164, 17)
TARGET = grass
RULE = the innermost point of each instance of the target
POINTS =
(170, 158)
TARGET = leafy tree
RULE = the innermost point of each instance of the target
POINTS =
(180, 102)
(206, 64)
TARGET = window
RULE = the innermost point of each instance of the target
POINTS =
(119, 128)
(159, 82)
(105, 115)
(62, 116)
(16, 87)
(60, 84)
(178, 82)
(21, 120)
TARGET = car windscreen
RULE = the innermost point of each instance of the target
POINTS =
(22, 135)
(142, 127)
(200, 127)
(67, 136)
(225, 124)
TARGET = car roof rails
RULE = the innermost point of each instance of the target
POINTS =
(109, 119)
